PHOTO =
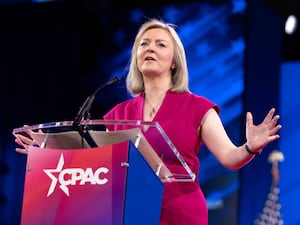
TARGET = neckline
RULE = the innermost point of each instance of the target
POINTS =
(154, 110)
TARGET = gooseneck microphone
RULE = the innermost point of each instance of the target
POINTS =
(86, 106)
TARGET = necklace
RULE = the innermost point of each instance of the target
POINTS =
(152, 108)
(152, 112)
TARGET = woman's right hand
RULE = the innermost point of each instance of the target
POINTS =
(24, 140)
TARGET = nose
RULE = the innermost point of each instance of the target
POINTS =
(150, 48)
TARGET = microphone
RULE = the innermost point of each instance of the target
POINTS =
(86, 106)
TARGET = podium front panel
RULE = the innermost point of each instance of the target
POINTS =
(75, 187)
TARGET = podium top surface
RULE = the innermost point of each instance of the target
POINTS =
(149, 138)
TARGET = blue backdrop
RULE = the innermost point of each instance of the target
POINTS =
(290, 167)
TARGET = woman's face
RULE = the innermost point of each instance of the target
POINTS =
(155, 53)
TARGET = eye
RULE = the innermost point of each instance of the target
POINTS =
(143, 43)
(162, 45)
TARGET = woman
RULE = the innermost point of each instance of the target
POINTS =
(158, 82)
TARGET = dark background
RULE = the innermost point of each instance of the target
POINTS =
(54, 54)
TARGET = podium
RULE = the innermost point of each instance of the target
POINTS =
(106, 172)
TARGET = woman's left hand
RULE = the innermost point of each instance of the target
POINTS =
(258, 136)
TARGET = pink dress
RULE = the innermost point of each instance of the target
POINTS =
(180, 116)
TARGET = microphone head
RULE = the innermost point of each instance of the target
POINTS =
(116, 79)
(113, 80)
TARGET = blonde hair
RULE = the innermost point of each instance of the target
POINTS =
(134, 79)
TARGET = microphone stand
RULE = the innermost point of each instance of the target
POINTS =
(84, 110)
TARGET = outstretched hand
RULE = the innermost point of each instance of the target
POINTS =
(258, 136)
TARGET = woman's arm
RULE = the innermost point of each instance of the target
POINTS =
(231, 156)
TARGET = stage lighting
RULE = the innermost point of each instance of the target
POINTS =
(291, 24)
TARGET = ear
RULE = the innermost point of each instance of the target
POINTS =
(173, 66)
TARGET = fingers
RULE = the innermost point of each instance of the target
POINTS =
(274, 130)
(274, 137)
(269, 116)
(270, 120)
(24, 139)
(249, 119)
(22, 150)
(21, 139)
(273, 120)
